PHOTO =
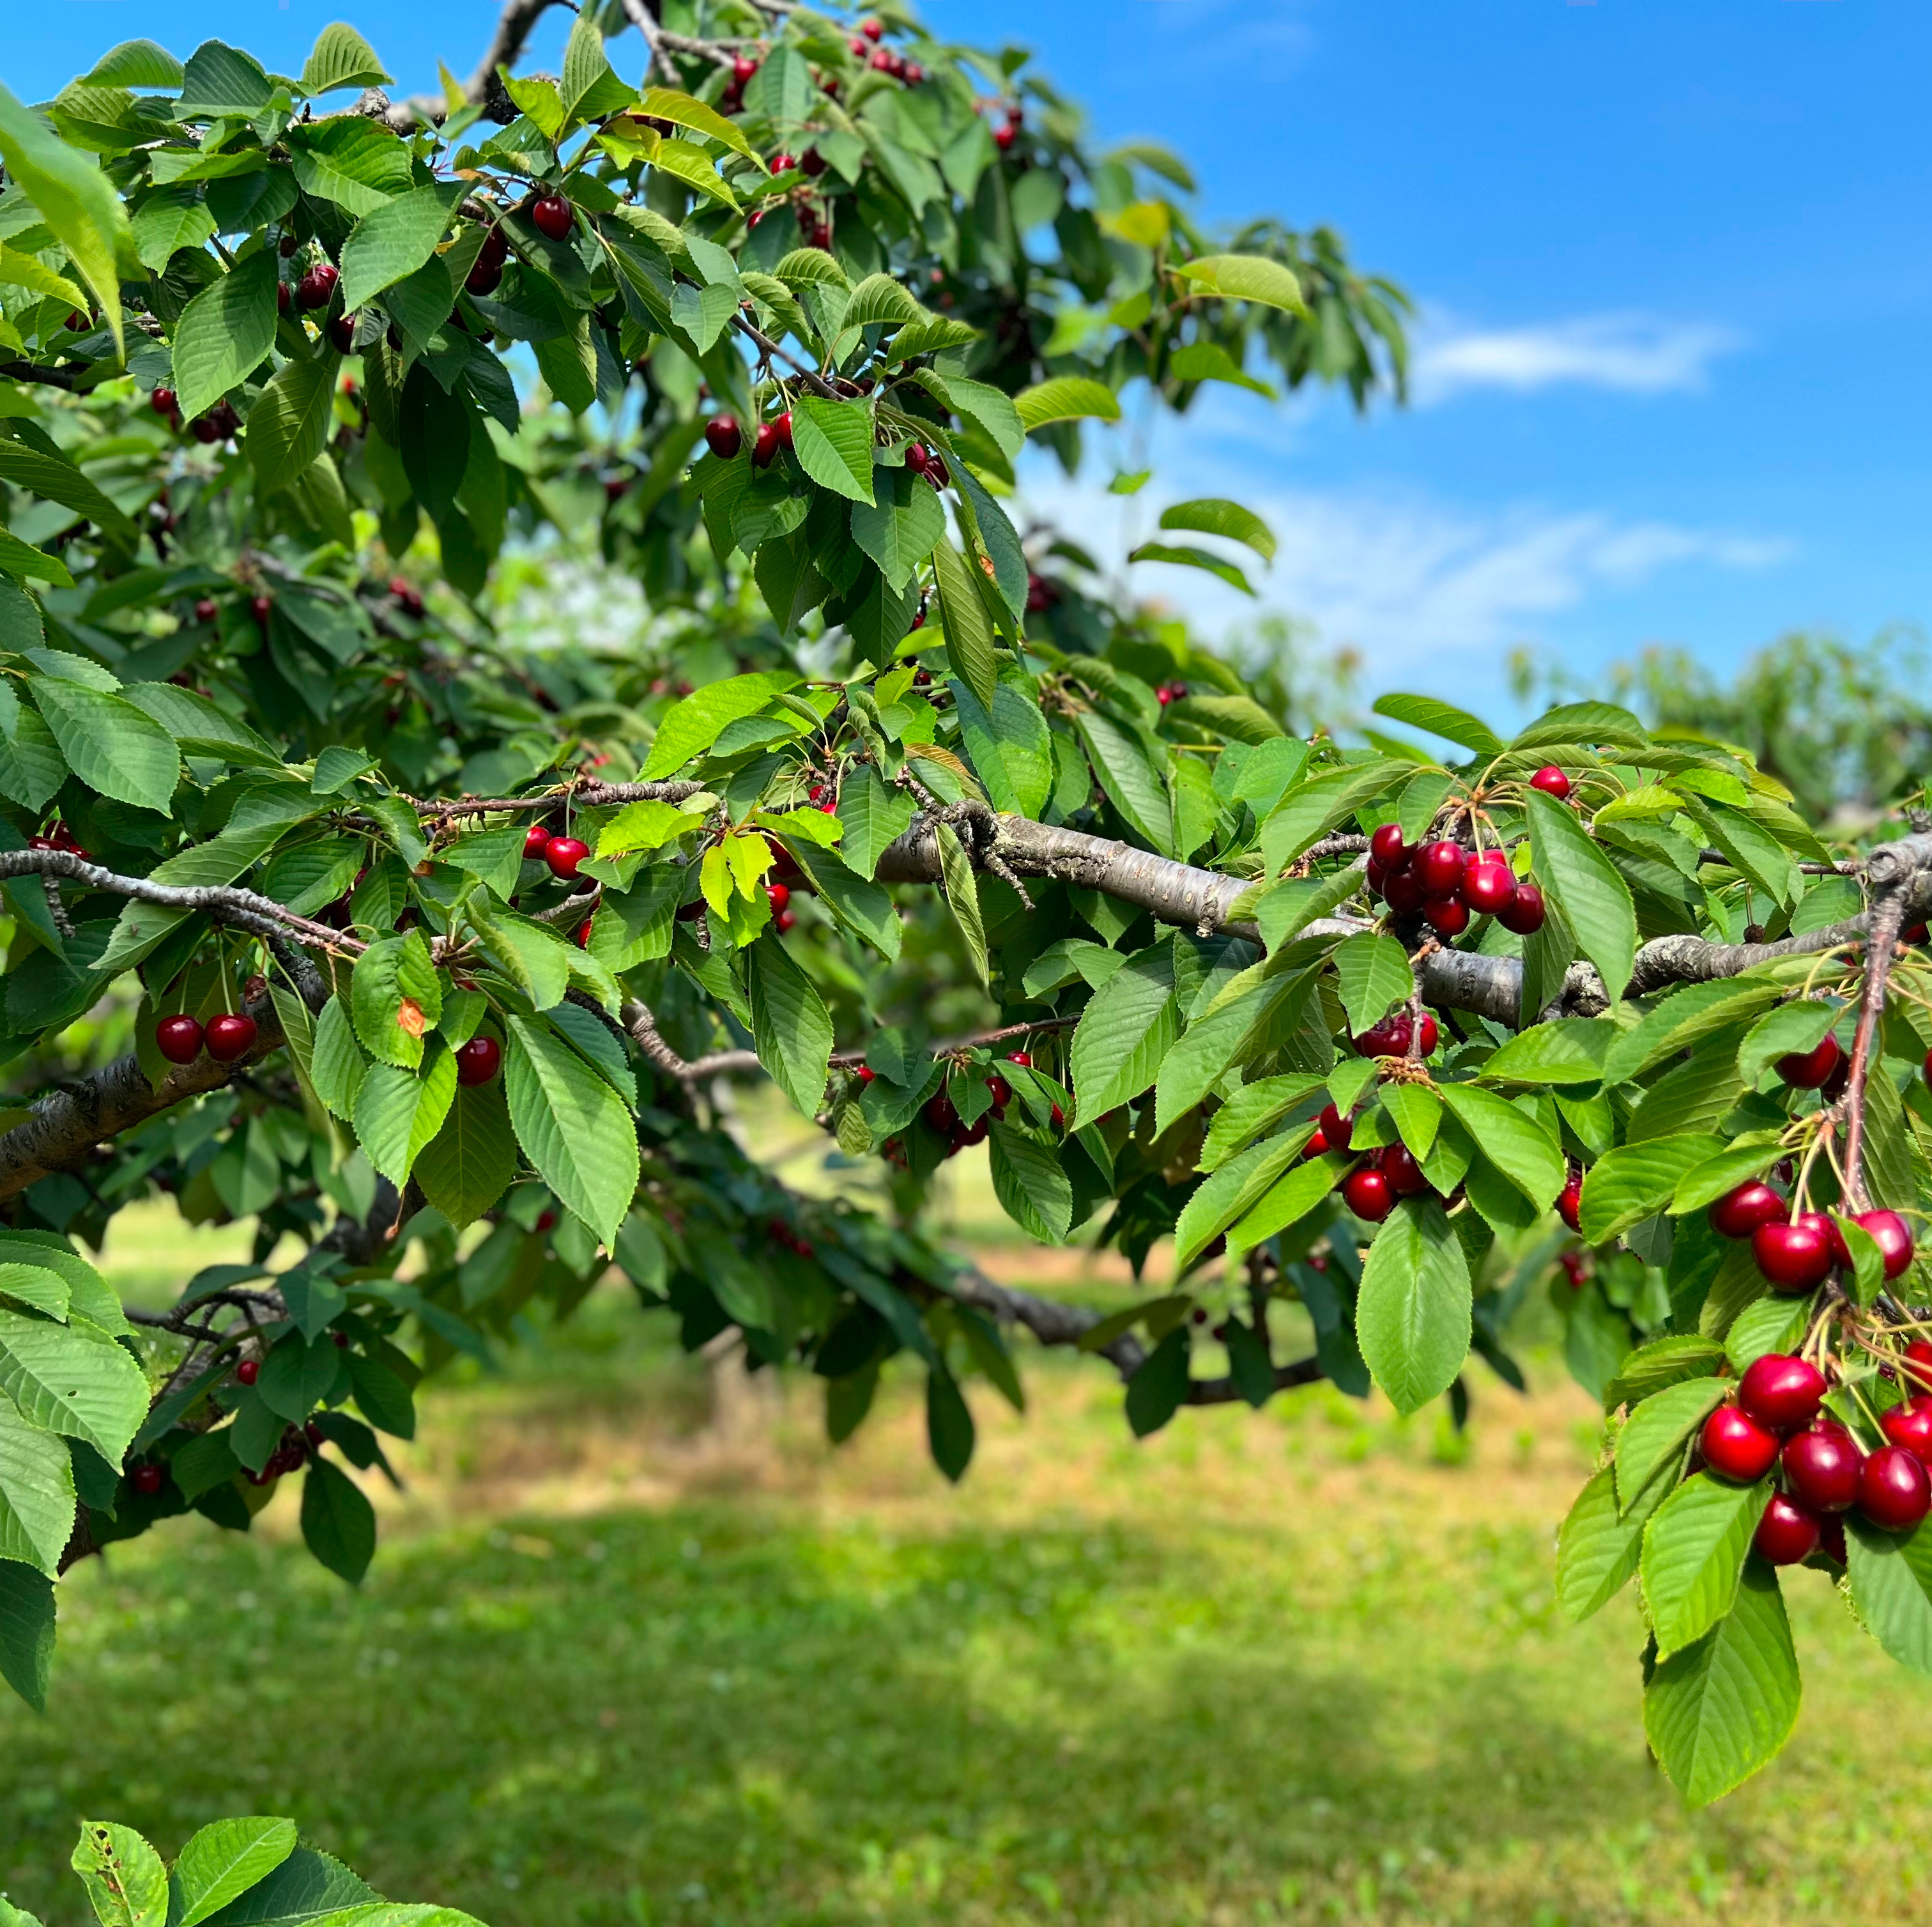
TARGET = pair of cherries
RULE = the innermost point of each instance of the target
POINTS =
(1796, 1255)
(1448, 884)
(563, 854)
(1776, 1420)
(181, 1039)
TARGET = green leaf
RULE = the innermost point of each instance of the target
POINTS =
(1230, 1192)
(590, 91)
(688, 163)
(123, 1875)
(901, 527)
(667, 103)
(1031, 1184)
(1891, 1587)
(1511, 1139)
(1193, 558)
(1796, 1028)
(1635, 1181)
(73, 1380)
(1568, 1051)
(169, 220)
(1155, 1391)
(36, 1492)
(1442, 719)
(225, 334)
(1676, 1022)
(1373, 972)
(307, 1889)
(1586, 887)
(1211, 515)
(949, 1424)
(572, 1126)
(395, 994)
(1065, 398)
(962, 896)
(26, 1632)
(1582, 722)
(1127, 1028)
(289, 425)
(1598, 1547)
(1208, 361)
(1132, 783)
(691, 726)
(1716, 1712)
(109, 743)
(1246, 278)
(136, 64)
(341, 57)
(338, 1524)
(75, 199)
(391, 242)
(1288, 1201)
(1412, 1316)
(874, 814)
(1312, 809)
(357, 163)
(224, 1860)
(398, 1111)
(879, 301)
(59, 480)
(833, 442)
(789, 1027)
(1658, 1430)
(336, 1063)
(1693, 1551)
(1663, 1362)
(969, 630)
(220, 81)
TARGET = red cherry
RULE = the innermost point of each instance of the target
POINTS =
(1003, 138)
(873, 30)
(206, 609)
(941, 1114)
(1404, 1175)
(162, 401)
(1486, 886)
(342, 333)
(248, 1371)
(179, 1039)
(1891, 1235)
(1022, 1057)
(1822, 1467)
(783, 425)
(1552, 782)
(563, 854)
(553, 215)
(1735, 1446)
(1908, 1427)
(230, 1036)
(865, 1074)
(1786, 1533)
(1387, 846)
(1335, 1129)
(1315, 1146)
(582, 938)
(261, 607)
(1439, 865)
(743, 68)
(1403, 892)
(546, 1219)
(1449, 915)
(784, 921)
(1739, 1213)
(917, 457)
(147, 1479)
(1002, 1091)
(1781, 1392)
(1919, 1365)
(1794, 1257)
(1369, 1194)
(778, 896)
(1570, 1201)
(723, 436)
(1524, 912)
(1894, 1491)
(1806, 1070)
(316, 286)
(485, 277)
(765, 445)
(1377, 878)
(479, 1060)
(536, 840)
(1831, 1538)
(1925, 1070)
(1429, 1035)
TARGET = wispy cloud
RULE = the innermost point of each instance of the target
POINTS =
(1630, 354)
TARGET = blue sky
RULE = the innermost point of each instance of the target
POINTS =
(1671, 264)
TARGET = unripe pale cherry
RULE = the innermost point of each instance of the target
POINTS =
(1894, 1493)
(1787, 1532)
(1821, 1466)
(1736, 1446)
(1781, 1392)
(1739, 1213)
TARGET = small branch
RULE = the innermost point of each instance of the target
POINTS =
(27, 371)
(809, 375)
(642, 1026)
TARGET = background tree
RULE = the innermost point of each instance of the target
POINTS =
(336, 909)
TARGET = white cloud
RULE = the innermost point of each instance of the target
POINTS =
(1630, 354)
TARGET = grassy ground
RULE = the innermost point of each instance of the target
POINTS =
(632, 1654)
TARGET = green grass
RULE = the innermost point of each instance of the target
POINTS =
(617, 1662)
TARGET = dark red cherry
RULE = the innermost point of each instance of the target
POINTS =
(1552, 782)
(1821, 1467)
(248, 1371)
(1336, 1131)
(723, 436)
(1368, 1194)
(1439, 867)
(1806, 1070)
(479, 1060)
(1893, 1237)
(1448, 915)
(1794, 1257)
(1893, 1492)
(147, 1479)
(179, 1039)
(765, 447)
(1403, 892)
(1524, 913)
(1570, 1201)
(554, 216)
(1739, 1213)
(1735, 1446)
(316, 286)
(536, 840)
(1918, 1365)
(1908, 1427)
(1387, 846)
(1486, 886)
(229, 1036)
(1786, 1533)
(1781, 1392)
(1404, 1175)
(1023, 1058)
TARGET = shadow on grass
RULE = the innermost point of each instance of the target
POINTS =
(707, 1716)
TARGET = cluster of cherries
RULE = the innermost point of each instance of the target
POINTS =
(865, 46)
(1008, 132)
(298, 1443)
(921, 461)
(1170, 693)
(725, 438)
(943, 1114)
(1449, 884)
(218, 424)
(1041, 593)
(486, 271)
(1776, 1419)
(778, 895)
(57, 836)
(181, 1039)
(1796, 1253)
(1373, 1190)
